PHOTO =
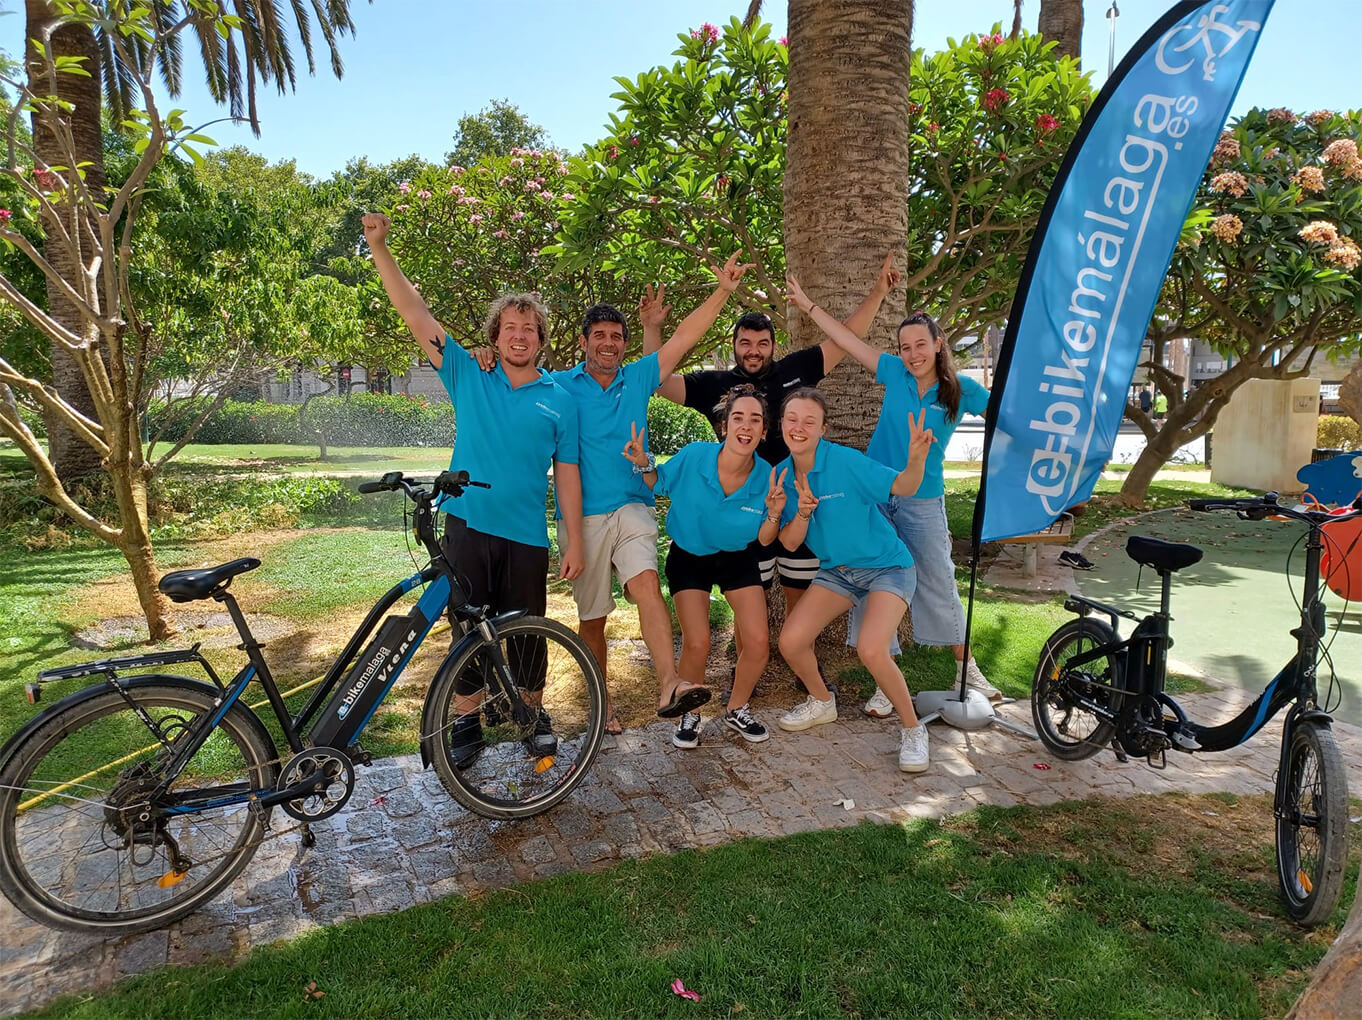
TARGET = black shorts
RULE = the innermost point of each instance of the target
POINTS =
(728, 570)
(497, 572)
(797, 569)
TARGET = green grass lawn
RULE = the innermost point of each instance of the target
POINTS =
(1158, 906)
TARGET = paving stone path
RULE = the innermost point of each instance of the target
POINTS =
(402, 841)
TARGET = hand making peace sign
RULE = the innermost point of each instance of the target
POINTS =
(808, 502)
(775, 495)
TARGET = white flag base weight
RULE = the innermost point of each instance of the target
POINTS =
(973, 713)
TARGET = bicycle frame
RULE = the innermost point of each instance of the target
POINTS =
(1143, 659)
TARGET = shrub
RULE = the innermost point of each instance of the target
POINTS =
(671, 426)
(1338, 432)
(366, 419)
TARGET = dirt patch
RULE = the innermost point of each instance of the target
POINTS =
(208, 628)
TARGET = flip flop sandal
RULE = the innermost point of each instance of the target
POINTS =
(686, 701)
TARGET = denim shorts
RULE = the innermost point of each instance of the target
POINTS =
(938, 615)
(855, 583)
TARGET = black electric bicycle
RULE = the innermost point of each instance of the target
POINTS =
(1094, 690)
(126, 805)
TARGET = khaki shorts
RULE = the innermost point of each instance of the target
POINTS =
(625, 540)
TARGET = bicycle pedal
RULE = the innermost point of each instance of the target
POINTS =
(359, 756)
(1185, 741)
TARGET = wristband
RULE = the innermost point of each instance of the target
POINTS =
(773, 520)
(643, 469)
(803, 516)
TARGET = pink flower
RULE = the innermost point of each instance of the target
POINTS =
(653, 200)
(1226, 150)
(1345, 254)
(1227, 227)
(455, 189)
(468, 200)
(456, 169)
(996, 99)
(404, 188)
(988, 41)
(1340, 153)
(517, 162)
(517, 215)
(1319, 232)
(400, 208)
(613, 152)
(531, 186)
(1281, 115)
(547, 196)
(633, 139)
(475, 218)
(5, 215)
(46, 179)
(707, 32)
(504, 181)
(785, 41)
(562, 169)
(423, 194)
(1231, 183)
(500, 234)
(568, 196)
(1310, 178)
(1319, 117)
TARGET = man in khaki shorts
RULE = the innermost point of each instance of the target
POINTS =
(619, 524)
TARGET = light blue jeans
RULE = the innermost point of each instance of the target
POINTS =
(938, 614)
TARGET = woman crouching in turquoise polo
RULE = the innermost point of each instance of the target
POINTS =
(726, 503)
(833, 494)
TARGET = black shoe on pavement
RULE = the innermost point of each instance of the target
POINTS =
(465, 740)
(542, 742)
(1075, 559)
(742, 721)
(687, 733)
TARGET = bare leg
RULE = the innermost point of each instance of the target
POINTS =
(879, 623)
(816, 608)
(593, 633)
(692, 612)
(752, 627)
(656, 624)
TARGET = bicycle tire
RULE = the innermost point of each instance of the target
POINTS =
(1055, 690)
(73, 856)
(508, 779)
(1312, 829)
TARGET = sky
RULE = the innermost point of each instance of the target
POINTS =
(414, 67)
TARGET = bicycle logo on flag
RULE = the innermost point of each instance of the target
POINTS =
(1201, 43)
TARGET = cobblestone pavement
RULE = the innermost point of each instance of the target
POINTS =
(402, 841)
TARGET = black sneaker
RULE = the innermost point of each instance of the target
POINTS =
(465, 740)
(542, 742)
(1075, 559)
(742, 720)
(687, 731)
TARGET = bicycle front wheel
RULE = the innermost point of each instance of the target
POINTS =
(1312, 824)
(87, 843)
(1068, 702)
(494, 766)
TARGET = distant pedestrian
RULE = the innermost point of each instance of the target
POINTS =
(1160, 407)
(1146, 401)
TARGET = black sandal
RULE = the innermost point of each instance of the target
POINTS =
(686, 701)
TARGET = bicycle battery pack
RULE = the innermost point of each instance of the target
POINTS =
(368, 680)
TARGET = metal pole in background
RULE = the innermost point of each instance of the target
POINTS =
(1113, 13)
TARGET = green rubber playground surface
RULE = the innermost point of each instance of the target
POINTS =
(1233, 611)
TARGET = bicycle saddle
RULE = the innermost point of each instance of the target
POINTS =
(1161, 555)
(188, 585)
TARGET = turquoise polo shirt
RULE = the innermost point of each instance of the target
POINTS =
(703, 519)
(889, 444)
(604, 415)
(847, 528)
(508, 436)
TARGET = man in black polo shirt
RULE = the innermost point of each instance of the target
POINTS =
(754, 361)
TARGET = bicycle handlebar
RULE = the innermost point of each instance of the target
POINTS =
(450, 483)
(1255, 508)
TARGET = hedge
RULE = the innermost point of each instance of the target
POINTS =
(377, 420)
(1338, 432)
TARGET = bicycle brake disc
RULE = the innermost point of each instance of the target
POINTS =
(333, 779)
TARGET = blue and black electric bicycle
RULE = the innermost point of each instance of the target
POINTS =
(126, 805)
(1094, 690)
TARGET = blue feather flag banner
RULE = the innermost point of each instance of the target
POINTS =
(1097, 263)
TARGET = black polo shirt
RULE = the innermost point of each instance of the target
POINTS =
(803, 367)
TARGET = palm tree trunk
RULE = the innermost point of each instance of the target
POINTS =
(71, 457)
(846, 176)
(1062, 21)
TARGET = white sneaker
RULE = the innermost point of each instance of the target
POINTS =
(975, 678)
(808, 713)
(913, 749)
(879, 706)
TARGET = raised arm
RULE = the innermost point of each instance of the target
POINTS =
(860, 321)
(653, 314)
(697, 323)
(845, 340)
(405, 298)
(920, 442)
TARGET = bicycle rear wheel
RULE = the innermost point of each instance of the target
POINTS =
(85, 843)
(1312, 826)
(513, 773)
(1063, 698)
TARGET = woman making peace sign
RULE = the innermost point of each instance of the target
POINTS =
(724, 499)
(832, 503)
